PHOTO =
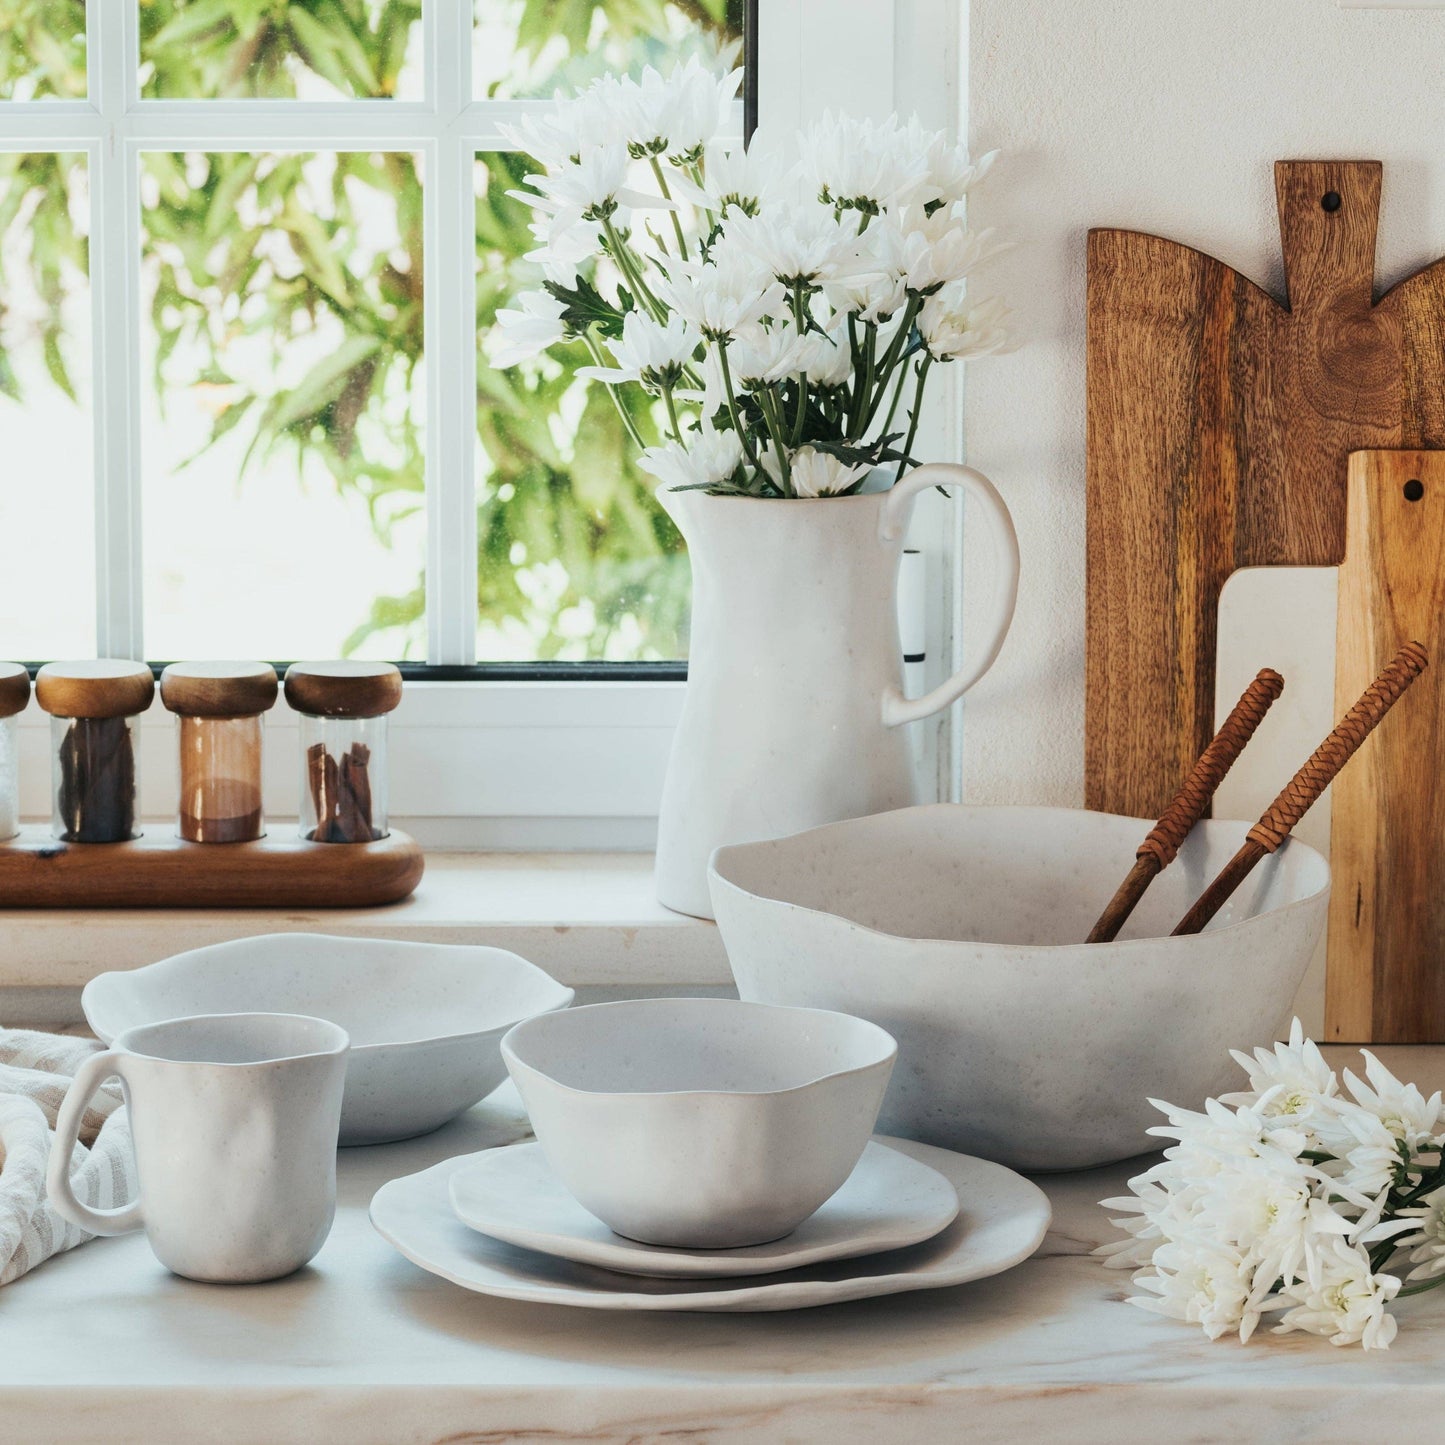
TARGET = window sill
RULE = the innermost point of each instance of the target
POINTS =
(589, 919)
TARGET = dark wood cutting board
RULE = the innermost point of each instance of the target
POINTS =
(1220, 420)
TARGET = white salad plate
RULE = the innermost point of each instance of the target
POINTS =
(1001, 1222)
(889, 1201)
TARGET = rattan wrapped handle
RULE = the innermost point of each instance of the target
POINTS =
(1167, 836)
(1310, 781)
(1302, 790)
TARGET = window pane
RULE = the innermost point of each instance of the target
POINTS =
(47, 584)
(42, 49)
(282, 429)
(299, 49)
(576, 560)
(524, 48)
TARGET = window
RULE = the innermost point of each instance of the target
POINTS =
(249, 255)
(300, 203)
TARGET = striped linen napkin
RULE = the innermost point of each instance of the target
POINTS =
(35, 1071)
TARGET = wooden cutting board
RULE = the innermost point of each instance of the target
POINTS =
(1386, 974)
(1220, 420)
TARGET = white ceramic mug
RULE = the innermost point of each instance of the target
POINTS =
(234, 1119)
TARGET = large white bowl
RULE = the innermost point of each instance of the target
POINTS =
(957, 929)
(700, 1123)
(425, 1019)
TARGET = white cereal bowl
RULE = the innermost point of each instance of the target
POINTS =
(425, 1019)
(958, 930)
(700, 1123)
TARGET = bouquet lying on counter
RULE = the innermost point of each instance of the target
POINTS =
(1294, 1198)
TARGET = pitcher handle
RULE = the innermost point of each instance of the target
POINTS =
(898, 709)
(88, 1078)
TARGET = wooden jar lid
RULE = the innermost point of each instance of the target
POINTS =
(219, 689)
(14, 688)
(100, 687)
(343, 689)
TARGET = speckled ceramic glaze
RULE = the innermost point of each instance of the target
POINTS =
(794, 713)
(700, 1123)
(957, 929)
(234, 1121)
(425, 1019)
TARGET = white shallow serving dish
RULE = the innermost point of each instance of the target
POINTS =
(700, 1123)
(426, 1020)
(958, 930)
(889, 1201)
(1002, 1221)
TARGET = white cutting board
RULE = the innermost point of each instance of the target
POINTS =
(1284, 618)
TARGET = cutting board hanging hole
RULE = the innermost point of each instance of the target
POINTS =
(1331, 202)
(1414, 489)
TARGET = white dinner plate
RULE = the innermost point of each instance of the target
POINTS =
(1001, 1221)
(888, 1202)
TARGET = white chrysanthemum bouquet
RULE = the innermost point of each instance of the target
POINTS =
(784, 319)
(1292, 1198)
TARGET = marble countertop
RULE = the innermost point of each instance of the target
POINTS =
(103, 1344)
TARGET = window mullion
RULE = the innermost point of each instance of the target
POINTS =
(115, 258)
(451, 600)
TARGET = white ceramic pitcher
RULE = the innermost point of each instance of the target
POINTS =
(234, 1119)
(794, 714)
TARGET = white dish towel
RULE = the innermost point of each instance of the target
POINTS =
(35, 1071)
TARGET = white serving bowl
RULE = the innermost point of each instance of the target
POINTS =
(700, 1123)
(425, 1019)
(958, 930)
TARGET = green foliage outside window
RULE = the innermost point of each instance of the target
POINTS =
(572, 547)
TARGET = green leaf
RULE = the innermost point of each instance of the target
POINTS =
(586, 307)
(324, 382)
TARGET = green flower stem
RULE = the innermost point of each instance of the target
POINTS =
(773, 415)
(1421, 1287)
(891, 358)
(632, 272)
(727, 375)
(860, 402)
(672, 414)
(913, 422)
(597, 356)
(893, 405)
(667, 196)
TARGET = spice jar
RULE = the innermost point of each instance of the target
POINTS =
(93, 707)
(343, 707)
(14, 694)
(218, 708)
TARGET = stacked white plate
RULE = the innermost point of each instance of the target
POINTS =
(909, 1217)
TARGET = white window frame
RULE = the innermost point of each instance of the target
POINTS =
(551, 764)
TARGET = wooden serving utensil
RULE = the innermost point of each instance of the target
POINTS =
(1302, 790)
(1165, 838)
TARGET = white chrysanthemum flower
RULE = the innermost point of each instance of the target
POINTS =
(954, 330)
(1426, 1242)
(734, 179)
(862, 165)
(678, 116)
(598, 116)
(707, 458)
(950, 174)
(868, 295)
(563, 248)
(812, 473)
(769, 354)
(723, 296)
(528, 331)
(593, 188)
(826, 357)
(1347, 1303)
(1402, 1108)
(1288, 1081)
(1203, 1284)
(648, 351)
(799, 245)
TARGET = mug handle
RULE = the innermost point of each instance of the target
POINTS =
(898, 709)
(88, 1078)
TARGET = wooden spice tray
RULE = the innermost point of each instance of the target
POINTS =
(159, 870)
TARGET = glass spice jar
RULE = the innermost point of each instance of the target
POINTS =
(218, 708)
(343, 708)
(14, 695)
(93, 706)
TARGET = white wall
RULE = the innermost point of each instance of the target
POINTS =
(1167, 116)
